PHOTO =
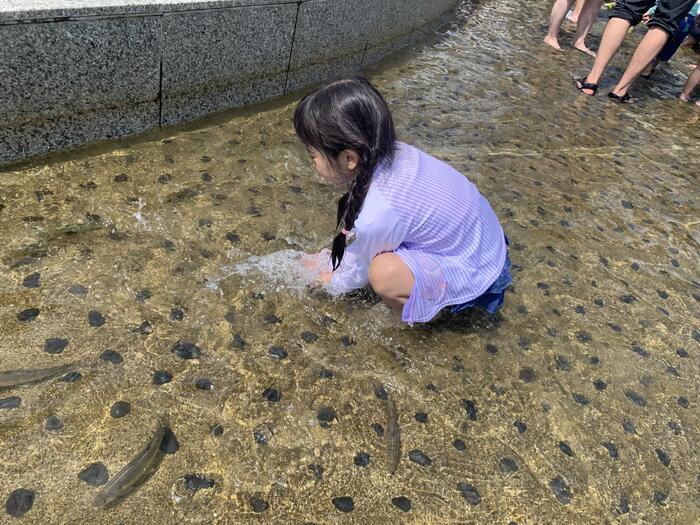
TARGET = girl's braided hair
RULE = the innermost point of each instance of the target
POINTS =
(348, 114)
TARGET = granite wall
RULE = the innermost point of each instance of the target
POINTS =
(76, 71)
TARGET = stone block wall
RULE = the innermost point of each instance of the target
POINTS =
(76, 71)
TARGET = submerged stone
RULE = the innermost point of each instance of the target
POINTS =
(419, 457)
(491, 349)
(527, 375)
(469, 493)
(72, 377)
(507, 465)
(309, 337)
(663, 457)
(600, 385)
(660, 497)
(161, 377)
(272, 395)
(580, 398)
(78, 290)
(258, 504)
(470, 407)
(32, 280)
(120, 409)
(378, 429)
(28, 314)
(628, 426)
(176, 314)
(402, 503)
(195, 482)
(624, 505)
(169, 444)
(381, 393)
(343, 503)
(361, 459)
(317, 470)
(277, 352)
(186, 350)
(238, 342)
(459, 445)
(55, 345)
(421, 417)
(522, 427)
(95, 319)
(217, 430)
(612, 449)
(325, 416)
(53, 423)
(636, 398)
(143, 295)
(19, 502)
(110, 356)
(204, 384)
(94, 475)
(10, 402)
(566, 449)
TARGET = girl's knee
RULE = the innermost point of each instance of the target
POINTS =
(389, 276)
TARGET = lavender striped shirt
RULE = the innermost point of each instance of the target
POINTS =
(436, 220)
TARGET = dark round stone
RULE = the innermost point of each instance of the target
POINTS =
(612, 449)
(160, 377)
(361, 459)
(599, 384)
(28, 315)
(233, 237)
(421, 417)
(277, 352)
(261, 436)
(470, 407)
(325, 416)
(120, 409)
(470, 493)
(95, 318)
(583, 336)
(491, 349)
(378, 429)
(169, 245)
(343, 503)
(507, 465)
(55, 345)
(170, 444)
(53, 423)
(204, 384)
(272, 319)
(527, 375)
(566, 449)
(522, 427)
(663, 457)
(230, 316)
(682, 352)
(110, 356)
(272, 395)
(381, 393)
(94, 475)
(560, 489)
(217, 430)
(258, 504)
(238, 342)
(580, 398)
(176, 314)
(194, 482)
(402, 503)
(10, 402)
(122, 177)
(419, 457)
(326, 374)
(72, 377)
(562, 363)
(459, 445)
(683, 402)
(660, 498)
(309, 337)
(78, 290)
(145, 328)
(186, 350)
(636, 398)
(346, 341)
(32, 280)
(19, 502)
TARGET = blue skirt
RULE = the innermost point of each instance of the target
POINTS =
(492, 299)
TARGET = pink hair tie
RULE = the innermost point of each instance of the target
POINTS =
(345, 232)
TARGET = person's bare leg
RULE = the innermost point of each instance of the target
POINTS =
(691, 84)
(647, 50)
(556, 19)
(613, 36)
(585, 22)
(576, 15)
(650, 68)
(392, 280)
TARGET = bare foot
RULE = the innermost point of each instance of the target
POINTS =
(582, 47)
(553, 42)
(684, 97)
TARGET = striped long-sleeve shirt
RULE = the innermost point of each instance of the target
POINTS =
(436, 220)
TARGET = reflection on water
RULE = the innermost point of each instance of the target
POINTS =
(576, 404)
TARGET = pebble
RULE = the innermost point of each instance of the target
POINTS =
(421, 417)
(32, 280)
(662, 294)
(261, 436)
(326, 374)
(628, 299)
(120, 409)
(527, 375)
(343, 503)
(95, 318)
(640, 351)
(566, 449)
(55, 345)
(317, 470)
(53, 423)
(169, 444)
(204, 384)
(110, 356)
(459, 445)
(612, 449)
(469, 493)
(72, 377)
(28, 315)
(272, 395)
(522, 427)
(660, 498)
(624, 505)
(238, 342)
(580, 398)
(378, 429)
(562, 363)
(94, 475)
(402, 503)
(325, 416)
(186, 350)
(169, 245)
(233, 237)
(78, 290)
(580, 309)
(347, 341)
(361, 459)
(491, 349)
(160, 377)
(258, 504)
(122, 177)
(381, 393)
(683, 402)
(176, 314)
(10, 402)
(217, 430)
(594, 360)
(143, 295)
(470, 408)
(628, 426)
(583, 336)
(19, 502)
(309, 337)
(600, 385)
(560, 489)
(419, 457)
(508, 465)
(682, 352)
(272, 319)
(277, 352)
(194, 482)
(663, 457)
(636, 398)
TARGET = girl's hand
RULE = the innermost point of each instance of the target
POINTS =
(322, 279)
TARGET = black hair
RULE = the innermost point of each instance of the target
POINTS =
(348, 114)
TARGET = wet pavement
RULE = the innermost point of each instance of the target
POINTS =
(163, 267)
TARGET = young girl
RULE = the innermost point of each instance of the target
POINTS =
(412, 227)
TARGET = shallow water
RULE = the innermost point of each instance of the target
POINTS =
(578, 403)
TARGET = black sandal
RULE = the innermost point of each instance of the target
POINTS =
(582, 83)
(624, 99)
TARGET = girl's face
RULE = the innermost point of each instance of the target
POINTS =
(338, 173)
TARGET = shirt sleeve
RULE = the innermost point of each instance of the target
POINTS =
(377, 230)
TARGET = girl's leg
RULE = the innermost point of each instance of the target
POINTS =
(613, 36)
(391, 280)
(691, 84)
(585, 22)
(576, 16)
(556, 18)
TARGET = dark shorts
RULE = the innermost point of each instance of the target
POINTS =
(492, 299)
(675, 41)
(668, 14)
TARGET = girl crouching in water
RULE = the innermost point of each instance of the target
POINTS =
(412, 227)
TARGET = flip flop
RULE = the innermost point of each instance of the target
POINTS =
(582, 83)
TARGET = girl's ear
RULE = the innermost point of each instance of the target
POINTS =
(350, 159)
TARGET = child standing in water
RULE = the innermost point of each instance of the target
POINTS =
(412, 227)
